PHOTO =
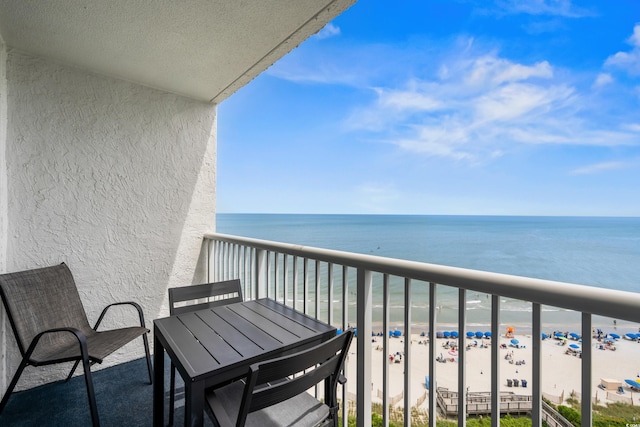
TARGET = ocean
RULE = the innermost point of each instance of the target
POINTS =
(592, 251)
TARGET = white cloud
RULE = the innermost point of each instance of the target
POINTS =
(603, 79)
(485, 105)
(327, 31)
(564, 8)
(599, 167)
(628, 61)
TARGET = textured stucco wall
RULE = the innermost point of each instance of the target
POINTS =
(115, 179)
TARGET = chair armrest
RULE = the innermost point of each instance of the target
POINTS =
(134, 304)
(82, 340)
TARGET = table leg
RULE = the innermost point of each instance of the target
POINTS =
(158, 380)
(194, 403)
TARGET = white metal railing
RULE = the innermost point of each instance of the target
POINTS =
(309, 278)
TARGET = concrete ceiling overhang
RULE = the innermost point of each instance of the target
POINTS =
(202, 49)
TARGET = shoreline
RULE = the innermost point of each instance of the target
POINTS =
(561, 368)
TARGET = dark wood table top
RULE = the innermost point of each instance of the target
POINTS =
(218, 344)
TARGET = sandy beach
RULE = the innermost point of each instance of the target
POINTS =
(561, 372)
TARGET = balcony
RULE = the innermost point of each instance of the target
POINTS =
(348, 289)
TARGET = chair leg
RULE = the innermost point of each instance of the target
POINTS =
(90, 392)
(148, 355)
(13, 383)
(172, 395)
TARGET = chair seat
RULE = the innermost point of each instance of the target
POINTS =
(302, 410)
(99, 344)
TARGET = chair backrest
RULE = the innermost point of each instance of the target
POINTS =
(42, 299)
(277, 380)
(189, 298)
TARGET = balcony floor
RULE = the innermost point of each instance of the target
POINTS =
(123, 394)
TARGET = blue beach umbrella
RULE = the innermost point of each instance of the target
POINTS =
(544, 336)
(615, 336)
(447, 334)
(338, 331)
(631, 336)
(454, 334)
(514, 341)
(470, 334)
(479, 334)
(574, 336)
(487, 334)
(397, 333)
(574, 346)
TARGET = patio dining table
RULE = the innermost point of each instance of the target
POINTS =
(213, 346)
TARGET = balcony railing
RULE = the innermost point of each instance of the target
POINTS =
(337, 286)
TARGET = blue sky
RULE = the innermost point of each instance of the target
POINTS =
(505, 107)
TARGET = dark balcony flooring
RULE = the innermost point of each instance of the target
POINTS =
(123, 394)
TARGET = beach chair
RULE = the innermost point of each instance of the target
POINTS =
(274, 392)
(185, 299)
(516, 383)
(524, 383)
(50, 326)
(509, 383)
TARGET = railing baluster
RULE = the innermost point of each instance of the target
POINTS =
(330, 293)
(295, 281)
(285, 272)
(495, 359)
(433, 410)
(462, 383)
(345, 325)
(317, 289)
(305, 285)
(536, 369)
(385, 349)
(365, 307)
(587, 348)
(407, 352)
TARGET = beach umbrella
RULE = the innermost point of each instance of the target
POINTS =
(454, 334)
(446, 334)
(631, 336)
(615, 336)
(574, 346)
(469, 334)
(632, 383)
(544, 336)
(574, 336)
(397, 333)
(514, 341)
(338, 331)
(487, 334)
(439, 335)
(479, 334)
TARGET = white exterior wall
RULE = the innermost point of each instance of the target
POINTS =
(115, 179)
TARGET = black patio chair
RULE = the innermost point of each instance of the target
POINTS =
(51, 326)
(185, 299)
(274, 393)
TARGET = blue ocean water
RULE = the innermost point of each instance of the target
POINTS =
(593, 251)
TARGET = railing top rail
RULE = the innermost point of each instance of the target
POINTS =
(606, 302)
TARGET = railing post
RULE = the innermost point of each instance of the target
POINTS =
(261, 274)
(365, 305)
(385, 346)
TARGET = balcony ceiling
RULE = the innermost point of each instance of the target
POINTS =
(202, 49)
